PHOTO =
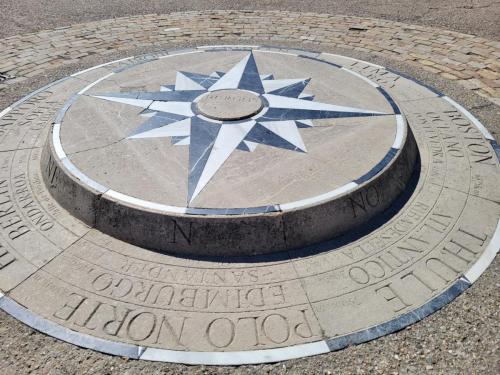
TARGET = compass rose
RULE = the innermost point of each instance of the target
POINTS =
(219, 113)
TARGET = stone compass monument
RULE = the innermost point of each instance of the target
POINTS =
(236, 204)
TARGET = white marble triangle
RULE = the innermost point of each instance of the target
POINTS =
(231, 79)
(228, 138)
(178, 108)
(179, 128)
(276, 101)
(287, 130)
(130, 101)
(251, 145)
(271, 85)
(185, 83)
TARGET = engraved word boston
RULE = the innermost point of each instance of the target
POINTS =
(270, 112)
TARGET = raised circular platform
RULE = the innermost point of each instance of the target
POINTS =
(89, 159)
(242, 152)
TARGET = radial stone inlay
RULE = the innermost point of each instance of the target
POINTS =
(228, 205)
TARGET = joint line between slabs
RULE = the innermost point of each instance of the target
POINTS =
(35, 198)
(42, 268)
(22, 149)
(302, 285)
(402, 270)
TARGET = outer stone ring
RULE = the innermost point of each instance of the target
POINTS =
(234, 204)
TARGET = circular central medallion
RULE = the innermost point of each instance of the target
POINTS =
(229, 105)
(243, 148)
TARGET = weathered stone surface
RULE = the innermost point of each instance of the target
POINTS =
(422, 250)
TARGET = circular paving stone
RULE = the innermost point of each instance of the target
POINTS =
(227, 160)
(229, 104)
(135, 196)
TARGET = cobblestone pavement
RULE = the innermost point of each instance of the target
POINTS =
(462, 338)
(473, 62)
(478, 17)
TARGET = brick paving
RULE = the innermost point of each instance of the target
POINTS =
(471, 61)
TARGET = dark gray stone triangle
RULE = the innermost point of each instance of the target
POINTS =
(250, 80)
(292, 91)
(243, 147)
(203, 135)
(175, 139)
(282, 114)
(156, 122)
(262, 135)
